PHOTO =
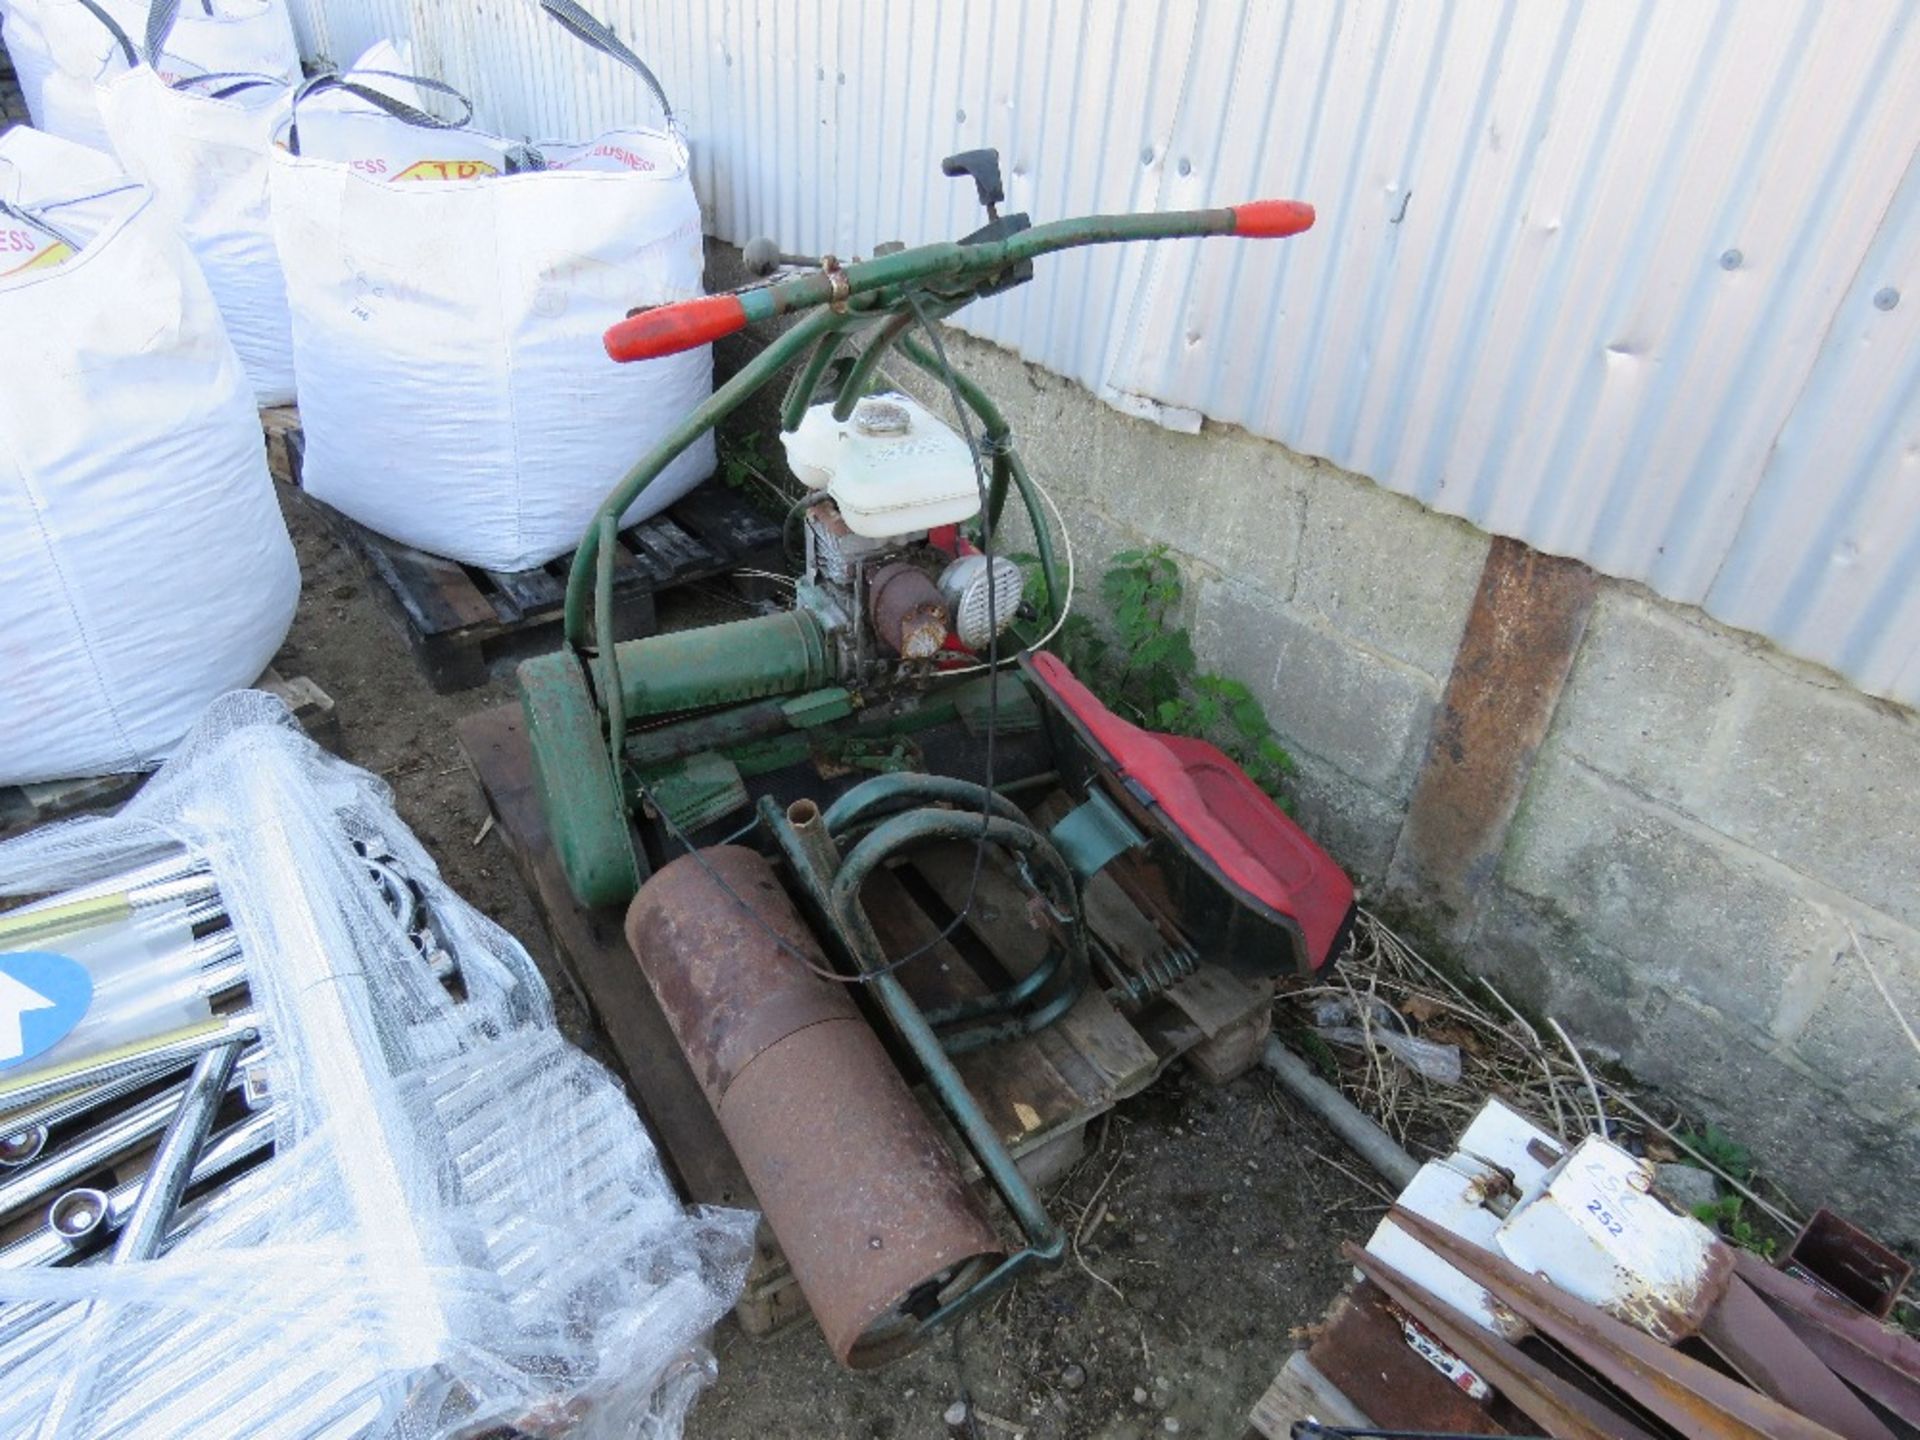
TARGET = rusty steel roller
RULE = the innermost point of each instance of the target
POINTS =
(865, 1199)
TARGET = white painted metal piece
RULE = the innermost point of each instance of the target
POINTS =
(1467, 1194)
(1452, 1198)
(1598, 1233)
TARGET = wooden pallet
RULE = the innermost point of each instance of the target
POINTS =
(1301, 1392)
(460, 619)
(24, 806)
(1040, 1092)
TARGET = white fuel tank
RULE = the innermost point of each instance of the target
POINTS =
(893, 467)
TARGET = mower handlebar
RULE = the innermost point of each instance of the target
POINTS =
(686, 324)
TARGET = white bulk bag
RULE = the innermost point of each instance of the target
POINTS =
(448, 306)
(200, 143)
(201, 147)
(146, 566)
(62, 49)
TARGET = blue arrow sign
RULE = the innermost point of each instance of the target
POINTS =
(42, 997)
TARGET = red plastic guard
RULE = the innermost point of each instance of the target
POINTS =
(1253, 844)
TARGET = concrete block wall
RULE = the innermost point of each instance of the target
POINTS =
(1716, 855)
(1705, 832)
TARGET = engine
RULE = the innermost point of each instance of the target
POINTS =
(887, 575)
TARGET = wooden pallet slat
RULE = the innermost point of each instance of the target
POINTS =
(669, 552)
(1119, 1060)
(437, 594)
(717, 517)
(1016, 1085)
(1301, 1392)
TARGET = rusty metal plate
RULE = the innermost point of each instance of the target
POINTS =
(1364, 1354)
(1764, 1349)
(1693, 1398)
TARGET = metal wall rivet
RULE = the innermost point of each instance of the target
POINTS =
(1886, 298)
(1146, 154)
(1732, 260)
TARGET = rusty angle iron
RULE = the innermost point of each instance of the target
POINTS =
(1566, 1411)
(1883, 1364)
(1749, 1336)
(1694, 1398)
(1832, 1251)
(865, 1199)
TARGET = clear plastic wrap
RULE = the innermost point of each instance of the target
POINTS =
(1336, 1021)
(463, 1226)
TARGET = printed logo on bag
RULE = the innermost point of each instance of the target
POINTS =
(42, 997)
(606, 150)
(29, 250)
(446, 170)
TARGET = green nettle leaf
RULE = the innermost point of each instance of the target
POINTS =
(1145, 667)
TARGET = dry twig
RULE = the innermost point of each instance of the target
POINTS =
(1599, 1109)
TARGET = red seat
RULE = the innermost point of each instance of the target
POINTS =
(1253, 845)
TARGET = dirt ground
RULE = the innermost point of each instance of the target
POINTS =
(1207, 1227)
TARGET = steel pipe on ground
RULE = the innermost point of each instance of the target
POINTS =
(1366, 1139)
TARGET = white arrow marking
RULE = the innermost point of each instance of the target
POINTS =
(16, 999)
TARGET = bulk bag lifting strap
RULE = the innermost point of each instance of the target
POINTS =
(200, 142)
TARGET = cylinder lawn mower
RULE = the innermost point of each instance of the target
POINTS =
(893, 710)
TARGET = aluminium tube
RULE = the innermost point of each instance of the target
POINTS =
(83, 1098)
(145, 1233)
(1366, 1139)
(238, 1142)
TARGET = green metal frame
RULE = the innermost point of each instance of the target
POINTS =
(1060, 977)
(754, 661)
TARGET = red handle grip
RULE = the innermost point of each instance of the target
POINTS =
(1272, 219)
(669, 329)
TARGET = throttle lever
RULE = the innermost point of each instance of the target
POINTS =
(984, 167)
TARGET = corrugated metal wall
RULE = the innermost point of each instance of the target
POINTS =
(1634, 281)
